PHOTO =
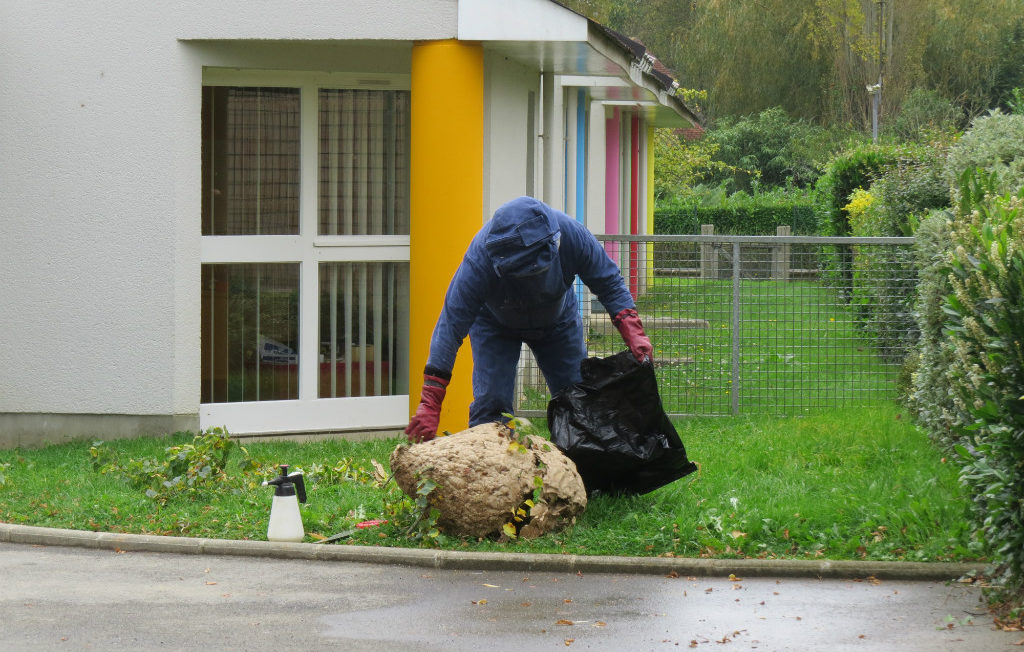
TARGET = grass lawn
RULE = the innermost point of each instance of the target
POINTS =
(857, 484)
(800, 348)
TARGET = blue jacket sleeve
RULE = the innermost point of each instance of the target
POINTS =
(597, 270)
(462, 304)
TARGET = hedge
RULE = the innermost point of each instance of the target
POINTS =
(753, 218)
(979, 357)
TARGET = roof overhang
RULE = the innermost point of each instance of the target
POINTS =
(553, 39)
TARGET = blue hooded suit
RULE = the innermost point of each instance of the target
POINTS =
(515, 285)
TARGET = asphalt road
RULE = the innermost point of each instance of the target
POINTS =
(72, 598)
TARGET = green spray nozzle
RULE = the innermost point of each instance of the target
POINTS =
(288, 484)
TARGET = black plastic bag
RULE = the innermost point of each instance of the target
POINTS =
(613, 426)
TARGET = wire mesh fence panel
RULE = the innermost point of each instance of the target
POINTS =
(759, 324)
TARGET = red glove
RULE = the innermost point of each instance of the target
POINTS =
(423, 425)
(632, 331)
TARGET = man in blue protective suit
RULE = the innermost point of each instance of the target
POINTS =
(515, 285)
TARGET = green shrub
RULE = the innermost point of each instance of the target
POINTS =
(923, 114)
(874, 191)
(985, 322)
(737, 214)
(190, 470)
(911, 187)
(771, 149)
(995, 143)
(681, 164)
(1015, 101)
(931, 397)
(846, 172)
(883, 280)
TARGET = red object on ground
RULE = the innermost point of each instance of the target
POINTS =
(374, 523)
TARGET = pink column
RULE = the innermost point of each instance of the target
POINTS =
(611, 182)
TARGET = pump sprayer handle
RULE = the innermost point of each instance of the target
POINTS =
(289, 481)
(299, 481)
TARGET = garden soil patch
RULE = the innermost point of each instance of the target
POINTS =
(484, 474)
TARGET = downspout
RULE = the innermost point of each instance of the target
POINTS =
(549, 184)
(581, 155)
(581, 180)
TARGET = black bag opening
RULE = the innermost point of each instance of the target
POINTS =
(613, 426)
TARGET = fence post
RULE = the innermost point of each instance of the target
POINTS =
(781, 256)
(708, 254)
(734, 389)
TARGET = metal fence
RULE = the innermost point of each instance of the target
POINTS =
(758, 324)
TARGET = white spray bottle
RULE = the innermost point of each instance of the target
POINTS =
(285, 519)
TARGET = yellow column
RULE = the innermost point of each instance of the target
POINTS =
(446, 200)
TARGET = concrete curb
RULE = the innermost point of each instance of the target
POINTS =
(500, 561)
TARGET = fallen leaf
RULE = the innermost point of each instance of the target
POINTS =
(733, 578)
(736, 534)
(210, 583)
(480, 602)
(600, 623)
(693, 643)
(708, 590)
(493, 586)
(567, 600)
(563, 621)
(525, 604)
(569, 641)
(673, 575)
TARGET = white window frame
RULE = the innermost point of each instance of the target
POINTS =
(308, 413)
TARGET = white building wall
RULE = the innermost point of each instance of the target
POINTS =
(100, 180)
(507, 88)
(596, 168)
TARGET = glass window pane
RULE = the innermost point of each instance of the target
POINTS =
(250, 332)
(364, 329)
(364, 162)
(250, 161)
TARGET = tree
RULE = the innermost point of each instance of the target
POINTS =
(815, 57)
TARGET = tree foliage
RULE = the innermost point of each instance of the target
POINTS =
(682, 164)
(815, 57)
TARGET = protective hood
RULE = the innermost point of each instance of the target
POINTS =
(523, 239)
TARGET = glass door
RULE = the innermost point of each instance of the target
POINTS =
(305, 251)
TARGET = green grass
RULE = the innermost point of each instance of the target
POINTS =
(801, 348)
(841, 485)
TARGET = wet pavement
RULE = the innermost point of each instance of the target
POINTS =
(74, 598)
